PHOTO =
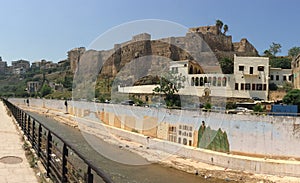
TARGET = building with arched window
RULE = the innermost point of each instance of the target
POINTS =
(250, 79)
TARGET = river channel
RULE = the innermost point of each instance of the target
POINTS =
(117, 171)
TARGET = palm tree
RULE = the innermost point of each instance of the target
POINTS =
(225, 28)
(219, 24)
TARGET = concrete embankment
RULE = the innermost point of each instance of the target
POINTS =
(163, 151)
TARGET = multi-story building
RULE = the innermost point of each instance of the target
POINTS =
(21, 64)
(296, 72)
(279, 76)
(3, 67)
(250, 79)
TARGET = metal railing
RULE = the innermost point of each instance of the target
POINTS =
(62, 162)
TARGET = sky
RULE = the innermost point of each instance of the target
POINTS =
(35, 29)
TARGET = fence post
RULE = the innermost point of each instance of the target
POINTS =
(49, 146)
(28, 127)
(90, 176)
(24, 121)
(33, 133)
(39, 140)
(64, 163)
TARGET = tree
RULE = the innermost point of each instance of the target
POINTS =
(267, 53)
(258, 108)
(273, 87)
(168, 87)
(287, 86)
(275, 48)
(219, 24)
(292, 97)
(280, 62)
(225, 28)
(226, 65)
(294, 51)
(45, 90)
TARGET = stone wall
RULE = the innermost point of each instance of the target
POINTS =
(173, 48)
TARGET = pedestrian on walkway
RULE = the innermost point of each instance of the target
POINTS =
(27, 101)
(66, 104)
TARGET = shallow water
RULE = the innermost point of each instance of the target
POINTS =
(119, 172)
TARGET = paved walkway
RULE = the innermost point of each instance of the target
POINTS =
(12, 170)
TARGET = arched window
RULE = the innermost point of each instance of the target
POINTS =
(197, 81)
(224, 81)
(205, 79)
(209, 79)
(195, 71)
(191, 70)
(201, 81)
(214, 82)
(192, 81)
(219, 81)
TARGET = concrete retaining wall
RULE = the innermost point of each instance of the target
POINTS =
(266, 135)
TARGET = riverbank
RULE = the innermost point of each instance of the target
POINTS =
(167, 159)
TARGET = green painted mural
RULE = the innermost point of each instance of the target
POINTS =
(215, 140)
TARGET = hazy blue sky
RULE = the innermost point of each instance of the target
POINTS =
(35, 30)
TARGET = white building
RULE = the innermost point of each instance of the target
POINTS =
(279, 76)
(250, 79)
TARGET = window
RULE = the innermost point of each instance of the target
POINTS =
(259, 87)
(191, 128)
(192, 81)
(251, 70)
(271, 77)
(214, 81)
(190, 142)
(224, 81)
(265, 87)
(241, 68)
(179, 140)
(190, 134)
(197, 81)
(242, 86)
(219, 81)
(179, 132)
(236, 86)
(179, 126)
(247, 86)
(205, 79)
(284, 78)
(201, 81)
(260, 68)
(253, 86)
(184, 141)
(277, 77)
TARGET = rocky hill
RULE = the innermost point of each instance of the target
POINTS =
(211, 47)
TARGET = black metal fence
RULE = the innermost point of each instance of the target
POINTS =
(61, 161)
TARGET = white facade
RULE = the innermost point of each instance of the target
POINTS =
(185, 134)
(250, 79)
(279, 76)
